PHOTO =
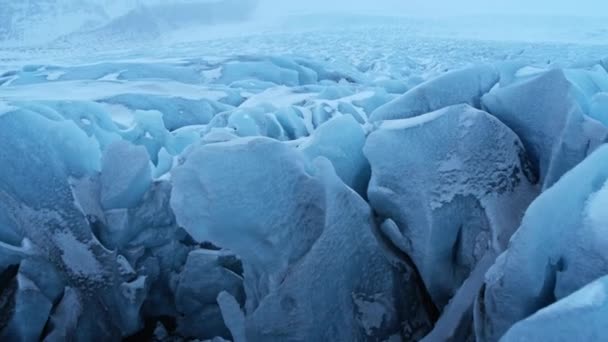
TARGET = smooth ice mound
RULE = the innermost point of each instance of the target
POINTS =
(563, 320)
(280, 198)
(455, 87)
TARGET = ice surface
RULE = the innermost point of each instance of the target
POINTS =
(544, 112)
(31, 305)
(341, 140)
(314, 230)
(233, 316)
(58, 231)
(177, 111)
(456, 182)
(587, 82)
(598, 108)
(206, 274)
(121, 186)
(556, 251)
(580, 316)
(456, 320)
(455, 87)
(226, 212)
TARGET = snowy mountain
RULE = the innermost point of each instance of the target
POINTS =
(148, 22)
(43, 21)
(37, 21)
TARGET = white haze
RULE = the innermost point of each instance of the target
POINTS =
(438, 8)
(36, 22)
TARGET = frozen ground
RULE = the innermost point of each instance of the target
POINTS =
(322, 178)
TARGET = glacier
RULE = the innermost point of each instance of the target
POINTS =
(344, 188)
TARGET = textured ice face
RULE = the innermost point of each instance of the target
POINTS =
(104, 232)
(456, 182)
(123, 187)
(543, 111)
(58, 233)
(313, 247)
(565, 319)
(205, 275)
(556, 251)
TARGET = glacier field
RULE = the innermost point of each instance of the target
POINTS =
(320, 185)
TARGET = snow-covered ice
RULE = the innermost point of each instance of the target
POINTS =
(558, 249)
(172, 172)
(456, 184)
(581, 316)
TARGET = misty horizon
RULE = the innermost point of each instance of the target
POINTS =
(438, 8)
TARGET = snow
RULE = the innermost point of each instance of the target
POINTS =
(120, 114)
(85, 90)
(279, 97)
(529, 71)
(411, 122)
(54, 76)
(78, 257)
(372, 313)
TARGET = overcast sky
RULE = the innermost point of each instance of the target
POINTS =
(440, 7)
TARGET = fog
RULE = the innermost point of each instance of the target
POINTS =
(41, 21)
(438, 8)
